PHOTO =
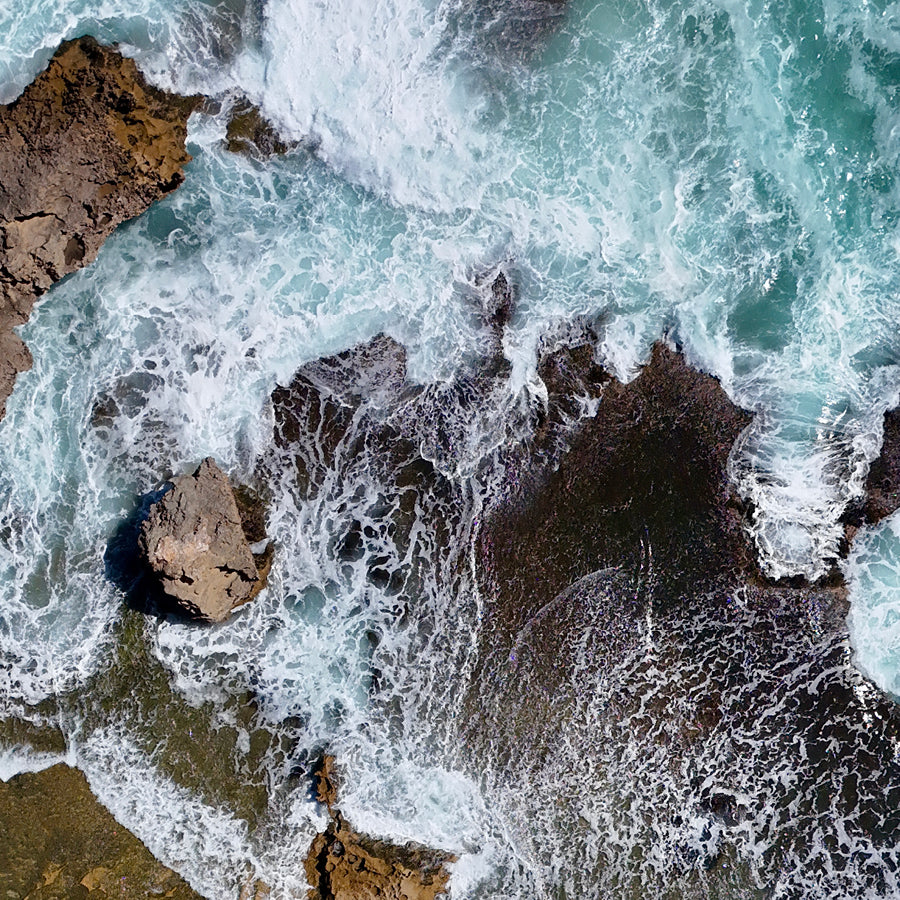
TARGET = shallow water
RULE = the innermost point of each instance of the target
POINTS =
(721, 172)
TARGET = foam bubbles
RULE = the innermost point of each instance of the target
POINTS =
(873, 571)
(714, 172)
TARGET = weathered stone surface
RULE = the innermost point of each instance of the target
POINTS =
(250, 133)
(324, 395)
(345, 865)
(193, 540)
(57, 842)
(87, 145)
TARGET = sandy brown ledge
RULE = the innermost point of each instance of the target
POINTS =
(57, 842)
(88, 145)
(345, 865)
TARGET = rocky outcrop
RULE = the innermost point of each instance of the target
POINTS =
(345, 865)
(195, 543)
(249, 132)
(57, 842)
(643, 486)
(881, 496)
(88, 145)
(883, 482)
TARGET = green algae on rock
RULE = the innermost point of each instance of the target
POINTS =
(250, 133)
(88, 145)
(215, 750)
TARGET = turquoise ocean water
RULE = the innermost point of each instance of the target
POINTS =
(724, 173)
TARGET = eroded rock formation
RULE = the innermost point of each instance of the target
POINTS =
(86, 146)
(251, 133)
(195, 543)
(345, 865)
(883, 482)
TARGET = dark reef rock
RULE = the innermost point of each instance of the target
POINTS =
(643, 487)
(345, 865)
(632, 662)
(57, 842)
(325, 395)
(618, 658)
(351, 418)
(883, 482)
(250, 133)
(194, 541)
(511, 31)
(618, 505)
(88, 145)
(499, 306)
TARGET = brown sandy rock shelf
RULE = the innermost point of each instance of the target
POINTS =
(88, 145)
(345, 865)
(58, 843)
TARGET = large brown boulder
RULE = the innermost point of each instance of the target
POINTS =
(194, 542)
(88, 145)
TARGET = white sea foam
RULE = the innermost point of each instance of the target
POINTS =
(18, 760)
(873, 574)
(207, 846)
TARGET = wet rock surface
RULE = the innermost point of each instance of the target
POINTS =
(88, 145)
(357, 412)
(633, 664)
(628, 672)
(57, 842)
(249, 132)
(195, 543)
(345, 865)
(315, 413)
(625, 670)
(883, 482)
(643, 486)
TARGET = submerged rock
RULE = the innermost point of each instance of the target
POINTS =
(883, 482)
(627, 687)
(345, 865)
(194, 541)
(57, 842)
(250, 133)
(88, 145)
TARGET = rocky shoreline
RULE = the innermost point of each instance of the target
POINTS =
(345, 865)
(88, 145)
(58, 843)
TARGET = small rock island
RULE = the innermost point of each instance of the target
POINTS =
(195, 544)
